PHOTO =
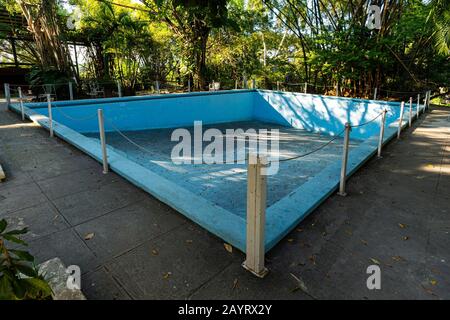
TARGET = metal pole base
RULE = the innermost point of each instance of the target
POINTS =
(261, 274)
(342, 194)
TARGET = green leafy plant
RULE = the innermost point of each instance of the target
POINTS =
(19, 276)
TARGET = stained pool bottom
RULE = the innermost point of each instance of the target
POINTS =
(226, 184)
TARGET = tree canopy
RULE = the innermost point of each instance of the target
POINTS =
(325, 43)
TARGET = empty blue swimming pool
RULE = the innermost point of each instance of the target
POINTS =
(214, 196)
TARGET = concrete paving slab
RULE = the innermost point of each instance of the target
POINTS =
(172, 266)
(41, 220)
(58, 166)
(124, 229)
(236, 284)
(100, 285)
(67, 246)
(14, 175)
(83, 206)
(76, 181)
(20, 197)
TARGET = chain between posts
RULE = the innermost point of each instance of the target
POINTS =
(241, 160)
(331, 140)
(148, 151)
(126, 137)
(315, 150)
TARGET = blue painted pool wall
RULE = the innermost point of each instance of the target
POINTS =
(325, 114)
(154, 112)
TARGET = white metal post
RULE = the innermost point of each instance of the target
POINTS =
(256, 215)
(425, 102)
(119, 89)
(21, 103)
(381, 136)
(429, 98)
(400, 120)
(410, 111)
(50, 116)
(101, 129)
(235, 84)
(7, 93)
(278, 85)
(306, 87)
(70, 90)
(157, 86)
(375, 94)
(344, 160)
(418, 106)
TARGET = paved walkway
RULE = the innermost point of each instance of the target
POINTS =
(397, 215)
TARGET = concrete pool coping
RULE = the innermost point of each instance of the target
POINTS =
(281, 217)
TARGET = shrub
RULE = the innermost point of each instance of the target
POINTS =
(19, 276)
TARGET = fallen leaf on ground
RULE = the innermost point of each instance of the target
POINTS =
(228, 247)
(300, 284)
(433, 282)
(405, 238)
(167, 275)
(89, 236)
(188, 241)
(397, 258)
(429, 291)
(290, 240)
(155, 252)
(235, 283)
(299, 230)
(312, 258)
(401, 225)
(364, 242)
(375, 261)
(435, 271)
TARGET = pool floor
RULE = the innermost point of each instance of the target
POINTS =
(225, 184)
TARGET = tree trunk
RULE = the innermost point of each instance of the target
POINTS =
(42, 24)
(201, 41)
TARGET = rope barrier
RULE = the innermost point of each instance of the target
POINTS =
(127, 138)
(59, 109)
(364, 123)
(151, 152)
(330, 141)
(240, 160)
(313, 151)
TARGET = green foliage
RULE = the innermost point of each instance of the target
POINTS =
(19, 277)
(321, 42)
